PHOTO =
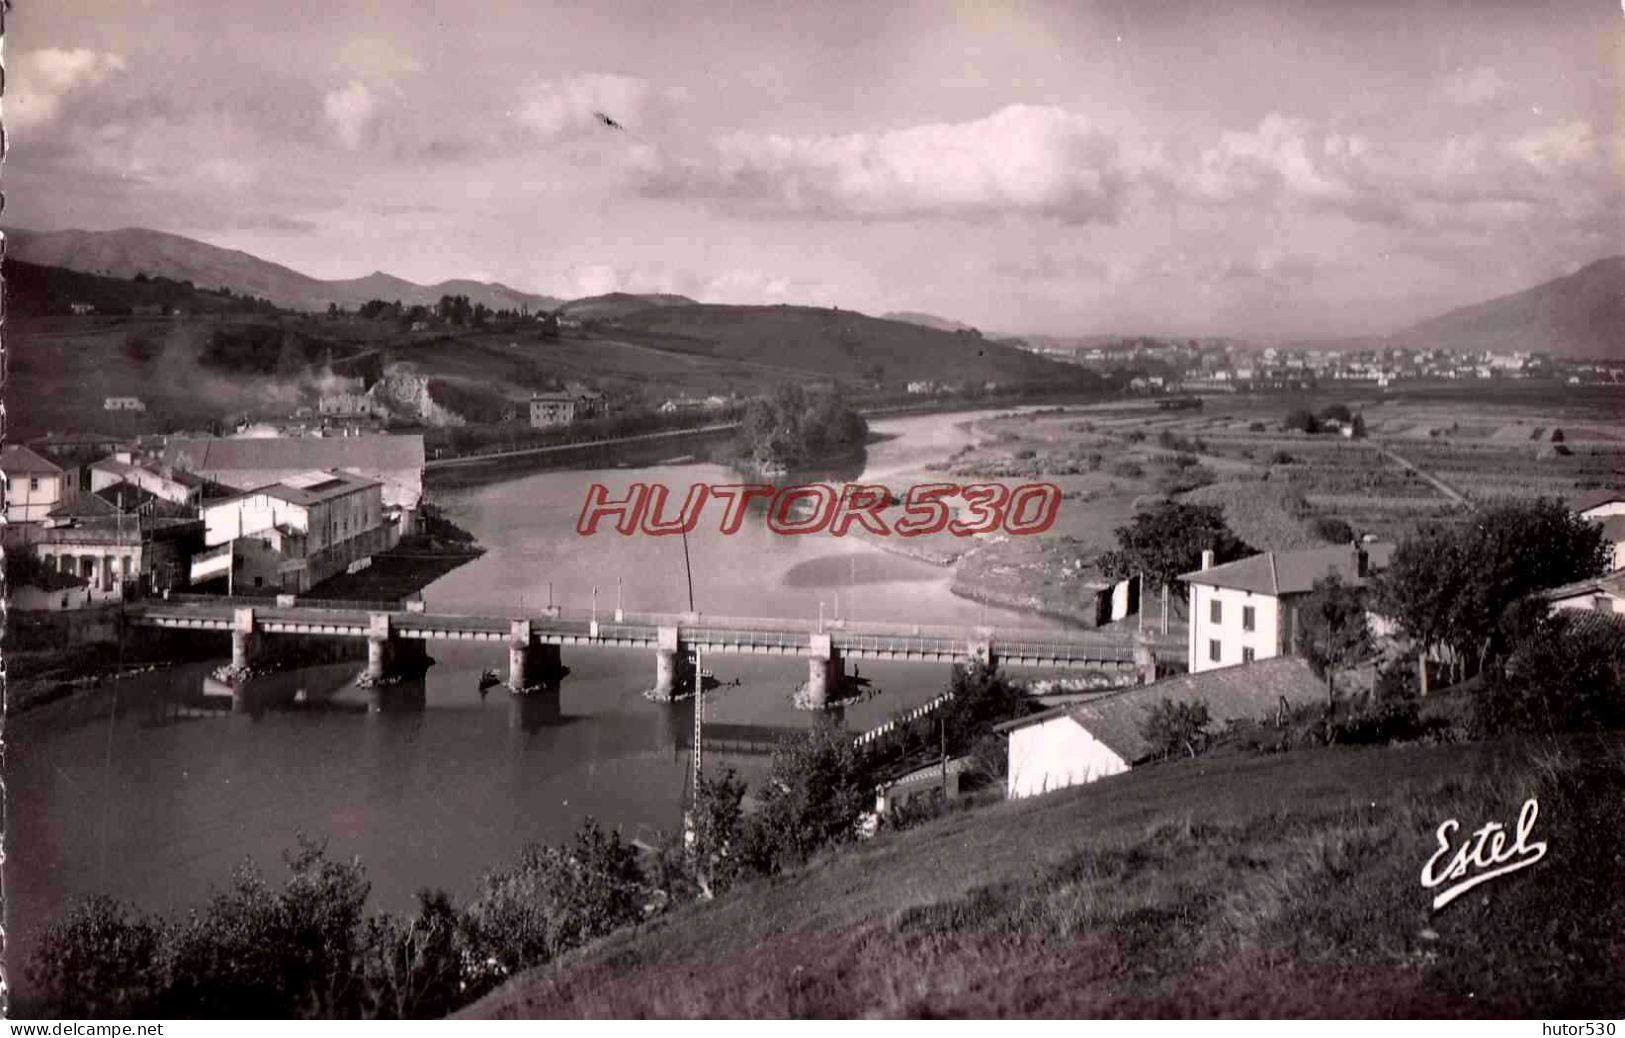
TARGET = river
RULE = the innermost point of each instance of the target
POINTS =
(119, 793)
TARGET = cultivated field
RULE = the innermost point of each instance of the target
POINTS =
(1279, 489)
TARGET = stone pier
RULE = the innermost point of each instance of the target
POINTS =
(377, 647)
(823, 672)
(532, 664)
(242, 639)
(667, 653)
(980, 650)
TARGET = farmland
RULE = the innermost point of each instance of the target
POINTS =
(1279, 489)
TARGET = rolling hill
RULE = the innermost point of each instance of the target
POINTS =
(615, 305)
(131, 251)
(833, 342)
(1581, 315)
(941, 324)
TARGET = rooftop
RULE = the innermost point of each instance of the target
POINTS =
(18, 460)
(1593, 498)
(1294, 572)
(1607, 584)
(309, 488)
(1244, 692)
(296, 453)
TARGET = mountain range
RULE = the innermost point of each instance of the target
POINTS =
(134, 250)
(1580, 315)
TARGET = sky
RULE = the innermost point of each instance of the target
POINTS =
(1264, 170)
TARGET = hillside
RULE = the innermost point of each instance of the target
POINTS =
(836, 343)
(131, 251)
(941, 324)
(616, 305)
(1281, 885)
(1581, 315)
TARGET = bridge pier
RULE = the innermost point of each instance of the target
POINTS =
(823, 671)
(979, 650)
(243, 641)
(668, 651)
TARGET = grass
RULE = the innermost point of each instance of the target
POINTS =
(1283, 885)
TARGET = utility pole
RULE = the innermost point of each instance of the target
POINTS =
(699, 722)
(689, 570)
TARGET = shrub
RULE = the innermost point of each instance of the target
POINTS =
(1300, 420)
(1281, 458)
(1333, 530)
(1172, 728)
(1565, 673)
(718, 849)
(415, 967)
(99, 960)
(815, 793)
(1025, 454)
(1126, 469)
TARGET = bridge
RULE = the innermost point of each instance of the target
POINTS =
(396, 634)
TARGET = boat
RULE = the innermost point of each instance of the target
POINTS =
(488, 678)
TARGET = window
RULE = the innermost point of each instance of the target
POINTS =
(1214, 613)
(1213, 648)
(1246, 618)
(1246, 655)
(33, 482)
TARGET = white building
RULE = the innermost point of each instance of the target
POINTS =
(127, 467)
(1605, 594)
(396, 461)
(1607, 509)
(1246, 610)
(34, 485)
(308, 528)
(1074, 744)
(547, 409)
(123, 403)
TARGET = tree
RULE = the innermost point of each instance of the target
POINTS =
(99, 960)
(1455, 586)
(718, 832)
(1566, 672)
(1168, 539)
(1300, 419)
(1418, 590)
(1336, 413)
(1171, 727)
(1332, 630)
(298, 952)
(816, 791)
(414, 967)
(554, 899)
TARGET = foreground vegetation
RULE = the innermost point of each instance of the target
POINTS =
(1276, 885)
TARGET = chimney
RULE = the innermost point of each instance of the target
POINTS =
(1207, 558)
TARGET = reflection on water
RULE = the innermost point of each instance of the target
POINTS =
(156, 792)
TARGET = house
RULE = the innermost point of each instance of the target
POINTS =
(549, 409)
(1613, 531)
(346, 404)
(1605, 594)
(129, 468)
(291, 535)
(123, 403)
(1247, 610)
(81, 309)
(35, 486)
(934, 782)
(1078, 743)
(591, 404)
(1599, 504)
(396, 461)
(114, 551)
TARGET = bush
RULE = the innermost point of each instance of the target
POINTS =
(554, 899)
(1025, 454)
(1300, 420)
(99, 960)
(719, 832)
(1172, 728)
(1126, 469)
(1333, 530)
(816, 791)
(1281, 458)
(1567, 673)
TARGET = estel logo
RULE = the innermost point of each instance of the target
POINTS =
(819, 507)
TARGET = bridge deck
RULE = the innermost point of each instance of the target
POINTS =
(729, 635)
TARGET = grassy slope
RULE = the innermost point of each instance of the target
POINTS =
(1281, 885)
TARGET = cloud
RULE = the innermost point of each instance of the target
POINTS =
(561, 107)
(350, 110)
(1475, 86)
(1021, 159)
(43, 79)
